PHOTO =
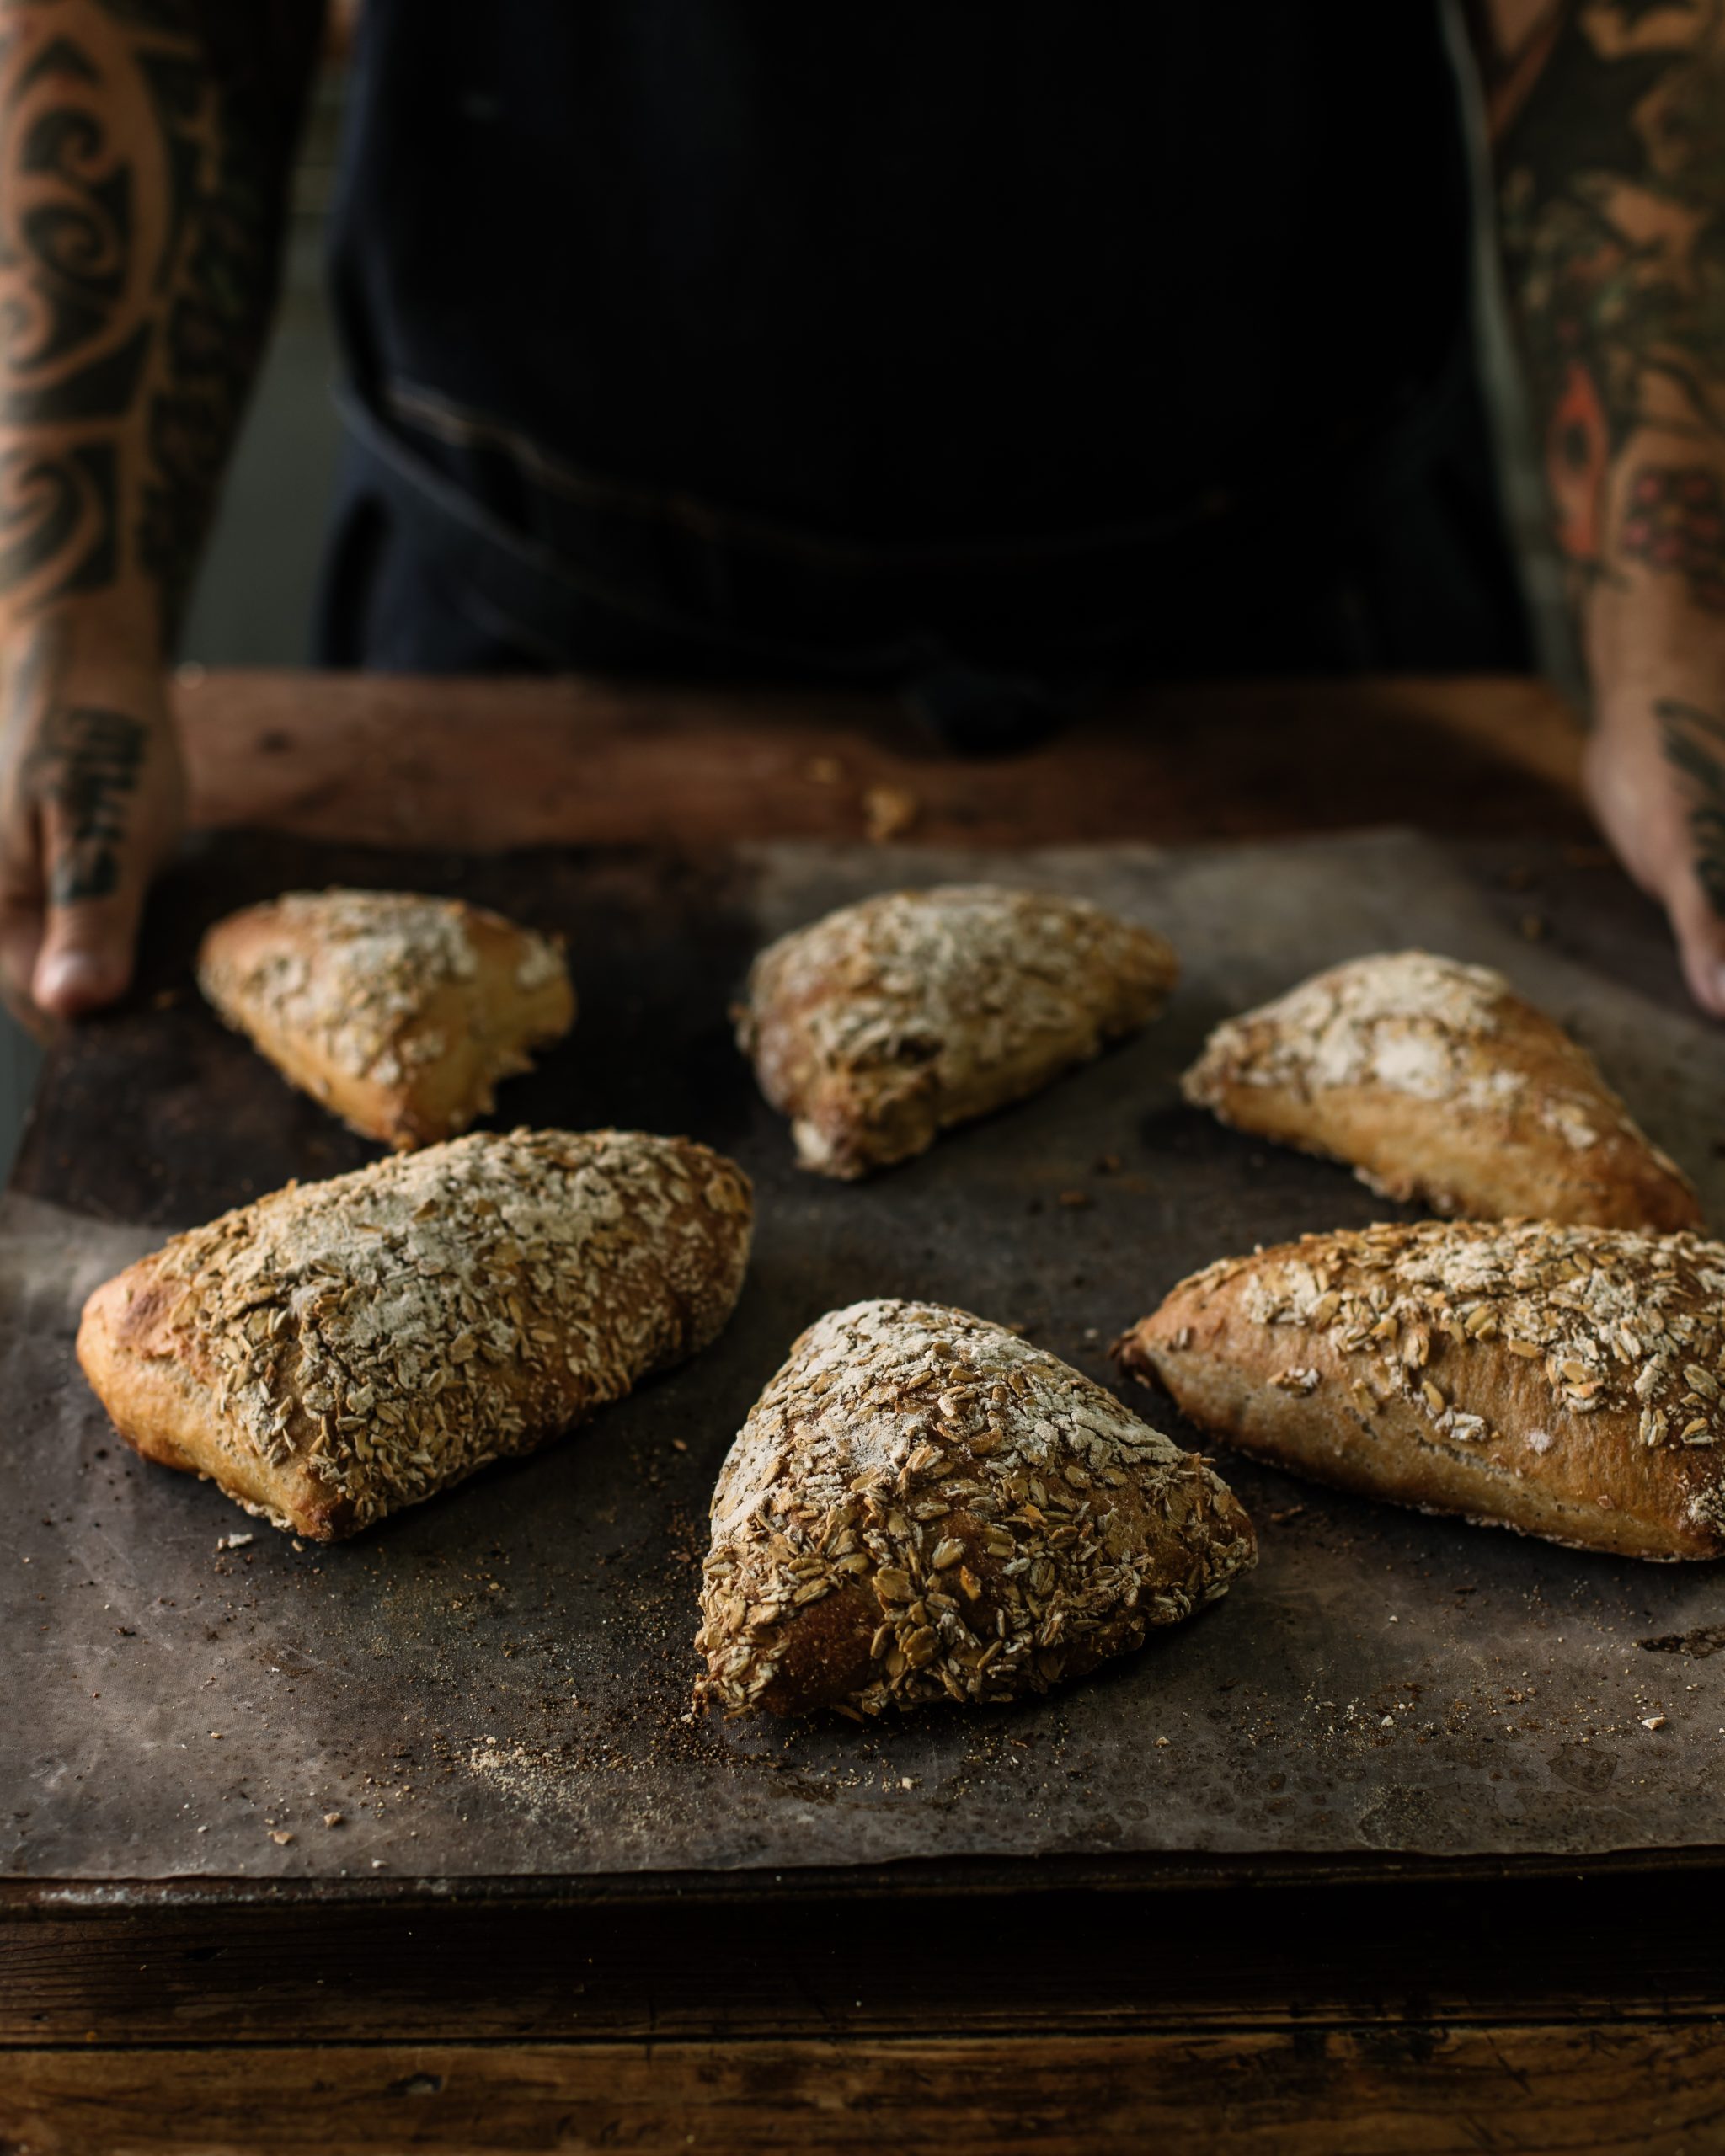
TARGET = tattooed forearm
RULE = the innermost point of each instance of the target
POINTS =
(85, 765)
(142, 170)
(229, 217)
(58, 527)
(1675, 521)
(1694, 743)
(1613, 201)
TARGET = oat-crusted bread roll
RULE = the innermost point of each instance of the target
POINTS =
(340, 1349)
(878, 1027)
(923, 1507)
(398, 1012)
(1561, 1381)
(1438, 1083)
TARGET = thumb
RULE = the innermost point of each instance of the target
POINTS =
(85, 961)
(95, 877)
(1701, 943)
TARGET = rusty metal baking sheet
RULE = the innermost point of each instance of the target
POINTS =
(498, 1682)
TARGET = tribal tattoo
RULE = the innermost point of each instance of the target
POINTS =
(85, 763)
(142, 173)
(1613, 213)
(1694, 743)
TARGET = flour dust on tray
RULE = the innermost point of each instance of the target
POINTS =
(338, 1350)
(923, 1507)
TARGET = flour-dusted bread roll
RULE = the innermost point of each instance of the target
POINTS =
(398, 1012)
(1438, 1083)
(878, 1027)
(921, 1507)
(340, 1349)
(1562, 1381)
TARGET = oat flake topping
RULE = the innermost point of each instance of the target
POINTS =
(937, 992)
(1610, 1319)
(394, 1328)
(974, 963)
(894, 1424)
(378, 956)
(1410, 1021)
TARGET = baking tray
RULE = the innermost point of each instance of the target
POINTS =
(497, 1683)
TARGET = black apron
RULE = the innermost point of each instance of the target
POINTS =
(917, 342)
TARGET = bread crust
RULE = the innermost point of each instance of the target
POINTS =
(1562, 1381)
(921, 1507)
(886, 1022)
(338, 1350)
(1438, 1083)
(398, 1012)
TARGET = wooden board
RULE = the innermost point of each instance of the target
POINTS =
(482, 765)
(498, 1684)
(807, 1955)
(1542, 2090)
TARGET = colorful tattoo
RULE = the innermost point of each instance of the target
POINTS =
(1675, 521)
(1613, 202)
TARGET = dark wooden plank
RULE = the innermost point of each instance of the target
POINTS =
(824, 1964)
(1435, 2091)
(385, 761)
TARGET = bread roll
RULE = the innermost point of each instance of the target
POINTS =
(883, 1024)
(921, 1507)
(340, 1349)
(1438, 1083)
(398, 1012)
(1562, 1381)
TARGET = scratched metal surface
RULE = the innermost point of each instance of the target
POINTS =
(496, 1684)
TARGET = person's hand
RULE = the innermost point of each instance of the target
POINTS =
(92, 795)
(1656, 778)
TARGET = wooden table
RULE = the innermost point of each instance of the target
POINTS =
(391, 760)
(1195, 2010)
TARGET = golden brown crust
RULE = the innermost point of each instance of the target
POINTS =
(923, 1507)
(1562, 1381)
(338, 1350)
(398, 1012)
(1438, 1083)
(886, 1022)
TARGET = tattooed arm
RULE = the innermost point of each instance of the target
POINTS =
(1609, 122)
(145, 147)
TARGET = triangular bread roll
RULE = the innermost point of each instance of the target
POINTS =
(879, 1027)
(340, 1349)
(1562, 1381)
(398, 1012)
(923, 1507)
(1438, 1083)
